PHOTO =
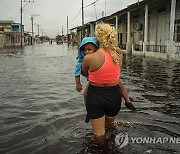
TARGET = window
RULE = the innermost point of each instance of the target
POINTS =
(161, 10)
(1, 29)
(177, 31)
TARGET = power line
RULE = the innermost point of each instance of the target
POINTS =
(91, 4)
(95, 11)
(78, 1)
(47, 21)
(75, 16)
(4, 5)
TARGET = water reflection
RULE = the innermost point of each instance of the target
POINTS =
(42, 113)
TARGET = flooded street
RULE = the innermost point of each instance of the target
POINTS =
(41, 112)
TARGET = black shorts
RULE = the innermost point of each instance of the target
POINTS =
(103, 101)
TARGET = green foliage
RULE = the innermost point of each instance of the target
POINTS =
(44, 38)
(59, 38)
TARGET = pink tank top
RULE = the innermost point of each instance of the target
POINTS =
(109, 72)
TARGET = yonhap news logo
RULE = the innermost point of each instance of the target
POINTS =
(122, 140)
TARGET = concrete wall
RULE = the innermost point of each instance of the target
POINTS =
(156, 55)
(153, 21)
(124, 29)
(92, 29)
(1, 40)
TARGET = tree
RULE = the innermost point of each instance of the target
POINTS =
(44, 38)
(59, 39)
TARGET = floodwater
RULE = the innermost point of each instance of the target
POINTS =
(41, 112)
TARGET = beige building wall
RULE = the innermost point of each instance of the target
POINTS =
(124, 29)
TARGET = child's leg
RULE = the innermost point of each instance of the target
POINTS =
(124, 92)
(85, 93)
(125, 95)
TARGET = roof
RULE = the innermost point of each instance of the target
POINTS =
(16, 23)
(12, 32)
(123, 11)
(6, 21)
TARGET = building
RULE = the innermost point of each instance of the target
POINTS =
(148, 28)
(10, 34)
(5, 26)
(1, 39)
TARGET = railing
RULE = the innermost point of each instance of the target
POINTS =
(138, 47)
(177, 49)
(122, 46)
(157, 48)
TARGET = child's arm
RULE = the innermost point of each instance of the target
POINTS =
(78, 83)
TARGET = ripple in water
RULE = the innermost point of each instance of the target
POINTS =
(41, 112)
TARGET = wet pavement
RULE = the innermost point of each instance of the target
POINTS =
(41, 112)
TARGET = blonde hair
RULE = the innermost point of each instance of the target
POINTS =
(107, 37)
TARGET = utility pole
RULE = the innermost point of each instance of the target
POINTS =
(82, 19)
(67, 30)
(42, 31)
(32, 43)
(105, 8)
(21, 25)
(102, 14)
(38, 29)
(62, 35)
(38, 32)
(32, 22)
(22, 30)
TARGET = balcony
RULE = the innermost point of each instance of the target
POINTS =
(177, 49)
(138, 47)
(122, 46)
(157, 48)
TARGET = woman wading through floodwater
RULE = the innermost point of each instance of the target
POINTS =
(103, 68)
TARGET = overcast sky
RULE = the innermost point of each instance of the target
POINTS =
(53, 13)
